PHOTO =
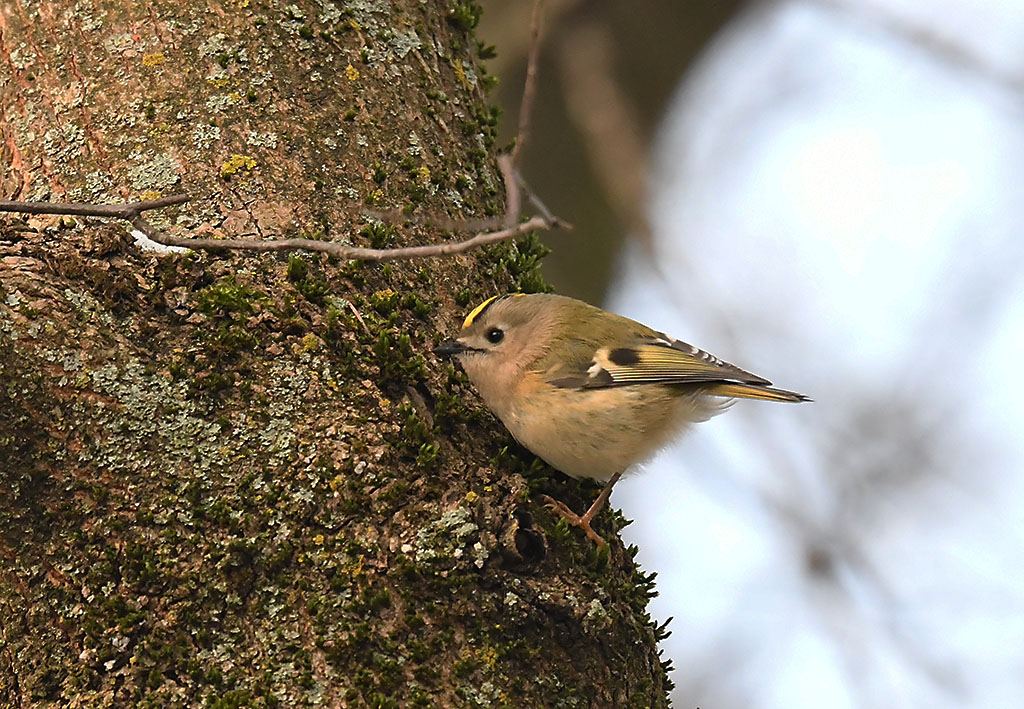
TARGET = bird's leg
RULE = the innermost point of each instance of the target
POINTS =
(563, 511)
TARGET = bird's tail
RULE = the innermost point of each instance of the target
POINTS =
(753, 391)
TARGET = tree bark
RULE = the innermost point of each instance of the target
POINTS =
(243, 480)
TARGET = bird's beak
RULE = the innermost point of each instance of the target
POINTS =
(450, 348)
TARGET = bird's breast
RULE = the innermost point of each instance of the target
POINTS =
(593, 433)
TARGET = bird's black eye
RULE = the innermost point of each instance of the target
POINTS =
(495, 335)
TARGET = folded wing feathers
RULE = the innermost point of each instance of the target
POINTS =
(660, 360)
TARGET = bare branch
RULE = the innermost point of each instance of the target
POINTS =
(77, 209)
(606, 118)
(132, 213)
(397, 216)
(513, 197)
(341, 250)
(539, 205)
(530, 83)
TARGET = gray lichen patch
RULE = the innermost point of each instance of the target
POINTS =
(204, 135)
(404, 42)
(373, 15)
(64, 143)
(22, 56)
(445, 537)
(154, 172)
(97, 188)
(119, 43)
(214, 44)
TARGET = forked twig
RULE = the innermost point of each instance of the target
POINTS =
(132, 213)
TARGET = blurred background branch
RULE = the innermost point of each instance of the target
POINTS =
(823, 190)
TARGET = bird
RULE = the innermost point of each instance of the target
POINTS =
(590, 392)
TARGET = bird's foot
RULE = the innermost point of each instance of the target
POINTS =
(563, 511)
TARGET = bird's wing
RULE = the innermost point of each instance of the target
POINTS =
(656, 359)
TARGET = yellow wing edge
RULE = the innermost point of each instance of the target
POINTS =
(753, 391)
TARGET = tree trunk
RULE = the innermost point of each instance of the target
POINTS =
(243, 480)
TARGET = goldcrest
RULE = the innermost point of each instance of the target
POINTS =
(590, 392)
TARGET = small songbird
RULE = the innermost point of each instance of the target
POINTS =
(588, 391)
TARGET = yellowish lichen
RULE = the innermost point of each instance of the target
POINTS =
(489, 656)
(237, 164)
(460, 74)
(351, 72)
(155, 59)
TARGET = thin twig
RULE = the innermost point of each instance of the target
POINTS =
(333, 248)
(530, 83)
(132, 213)
(606, 118)
(76, 209)
(394, 216)
(358, 317)
(539, 205)
(513, 197)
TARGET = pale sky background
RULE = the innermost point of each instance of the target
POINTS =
(839, 206)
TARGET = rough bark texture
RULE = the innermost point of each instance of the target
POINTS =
(219, 485)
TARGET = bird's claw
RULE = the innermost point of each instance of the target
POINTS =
(563, 511)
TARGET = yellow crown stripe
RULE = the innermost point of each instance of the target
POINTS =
(476, 311)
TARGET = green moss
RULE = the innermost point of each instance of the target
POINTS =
(427, 456)
(466, 16)
(234, 699)
(297, 268)
(311, 288)
(417, 305)
(518, 261)
(396, 358)
(414, 429)
(373, 600)
(380, 234)
(228, 297)
(485, 52)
